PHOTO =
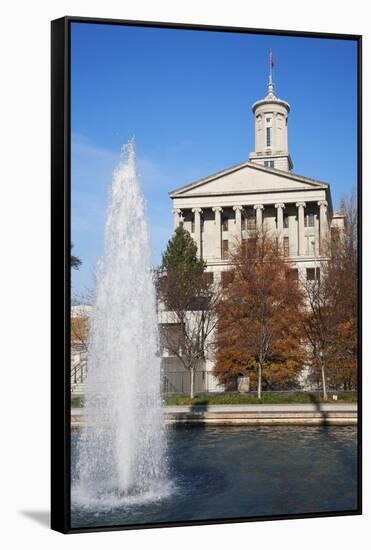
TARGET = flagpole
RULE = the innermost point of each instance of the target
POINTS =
(270, 67)
(270, 82)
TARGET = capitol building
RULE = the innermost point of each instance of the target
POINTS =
(222, 210)
(261, 193)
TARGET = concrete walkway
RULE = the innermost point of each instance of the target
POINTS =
(309, 414)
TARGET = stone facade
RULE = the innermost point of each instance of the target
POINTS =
(262, 192)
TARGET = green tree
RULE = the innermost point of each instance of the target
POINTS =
(180, 256)
(75, 261)
(190, 300)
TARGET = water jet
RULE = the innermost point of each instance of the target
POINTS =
(121, 449)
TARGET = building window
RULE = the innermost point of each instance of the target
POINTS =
(269, 163)
(310, 273)
(309, 219)
(225, 250)
(286, 250)
(225, 224)
(313, 273)
(269, 135)
(285, 221)
(227, 278)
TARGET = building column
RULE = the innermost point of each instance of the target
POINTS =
(218, 229)
(280, 207)
(259, 216)
(198, 237)
(301, 240)
(238, 221)
(323, 224)
(178, 218)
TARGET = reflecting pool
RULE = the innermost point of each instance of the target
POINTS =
(234, 472)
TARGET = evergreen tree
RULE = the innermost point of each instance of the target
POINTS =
(181, 255)
(190, 298)
(75, 261)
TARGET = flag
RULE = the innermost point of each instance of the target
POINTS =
(271, 62)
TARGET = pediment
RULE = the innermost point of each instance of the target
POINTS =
(247, 177)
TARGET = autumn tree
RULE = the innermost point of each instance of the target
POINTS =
(189, 298)
(318, 319)
(330, 317)
(344, 267)
(79, 343)
(258, 328)
(80, 329)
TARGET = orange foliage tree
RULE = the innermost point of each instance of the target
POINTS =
(344, 267)
(259, 330)
(330, 318)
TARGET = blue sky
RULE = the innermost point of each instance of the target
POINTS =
(186, 96)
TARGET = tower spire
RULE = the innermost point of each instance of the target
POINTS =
(271, 129)
(270, 81)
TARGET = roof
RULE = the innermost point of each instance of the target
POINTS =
(254, 166)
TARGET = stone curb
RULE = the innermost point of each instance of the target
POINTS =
(301, 414)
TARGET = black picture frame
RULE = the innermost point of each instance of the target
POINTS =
(60, 268)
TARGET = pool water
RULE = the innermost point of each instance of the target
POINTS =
(242, 472)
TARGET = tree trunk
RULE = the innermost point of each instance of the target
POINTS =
(259, 382)
(324, 386)
(192, 384)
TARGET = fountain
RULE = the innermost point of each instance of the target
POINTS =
(121, 449)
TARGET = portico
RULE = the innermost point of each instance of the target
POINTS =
(297, 215)
(313, 225)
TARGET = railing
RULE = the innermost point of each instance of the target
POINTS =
(78, 373)
(178, 382)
